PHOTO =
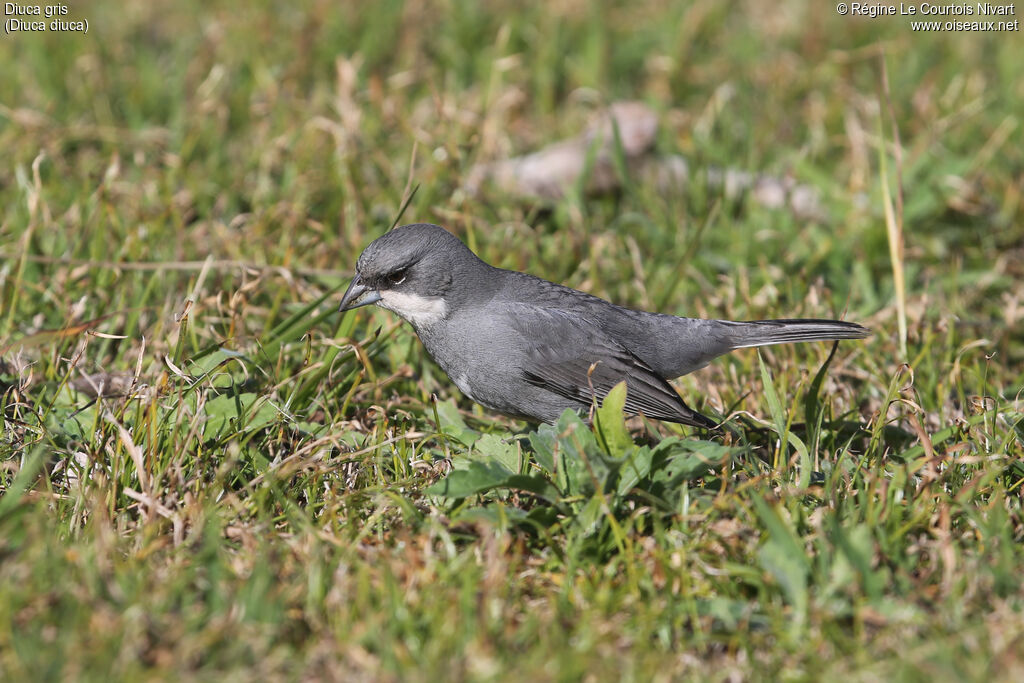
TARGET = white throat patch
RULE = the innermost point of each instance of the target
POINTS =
(421, 311)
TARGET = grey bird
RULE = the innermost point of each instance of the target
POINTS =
(530, 348)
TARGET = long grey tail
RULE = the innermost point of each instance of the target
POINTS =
(765, 332)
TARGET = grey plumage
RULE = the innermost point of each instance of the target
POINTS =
(531, 348)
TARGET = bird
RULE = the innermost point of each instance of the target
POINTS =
(529, 348)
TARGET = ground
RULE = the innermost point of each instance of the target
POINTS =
(207, 472)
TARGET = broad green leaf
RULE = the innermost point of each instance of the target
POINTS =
(781, 428)
(579, 457)
(216, 366)
(478, 477)
(636, 466)
(481, 476)
(784, 557)
(610, 423)
(242, 412)
(857, 546)
(589, 517)
(814, 410)
(676, 460)
(495, 448)
(791, 575)
(535, 484)
(544, 442)
(499, 515)
(772, 397)
(453, 425)
(77, 424)
(780, 531)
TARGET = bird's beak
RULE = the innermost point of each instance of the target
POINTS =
(358, 295)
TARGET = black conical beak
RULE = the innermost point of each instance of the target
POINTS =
(358, 295)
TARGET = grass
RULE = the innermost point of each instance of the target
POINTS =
(264, 488)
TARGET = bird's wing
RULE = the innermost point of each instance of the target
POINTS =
(574, 358)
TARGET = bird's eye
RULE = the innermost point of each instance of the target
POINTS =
(397, 277)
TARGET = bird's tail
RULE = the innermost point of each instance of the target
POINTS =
(765, 332)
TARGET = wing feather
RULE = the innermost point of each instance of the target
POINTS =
(573, 358)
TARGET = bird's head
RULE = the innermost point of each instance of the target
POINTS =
(418, 271)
